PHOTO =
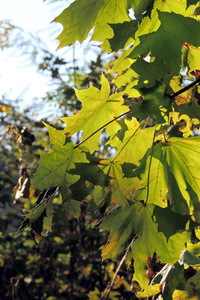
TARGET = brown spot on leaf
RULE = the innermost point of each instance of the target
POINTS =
(134, 24)
(195, 73)
(187, 45)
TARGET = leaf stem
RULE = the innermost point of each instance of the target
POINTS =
(102, 127)
(127, 141)
(148, 178)
(119, 266)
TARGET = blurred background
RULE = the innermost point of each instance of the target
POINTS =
(36, 84)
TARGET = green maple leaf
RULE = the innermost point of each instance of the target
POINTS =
(165, 45)
(190, 58)
(118, 170)
(155, 103)
(40, 217)
(177, 6)
(174, 175)
(83, 15)
(131, 147)
(188, 108)
(140, 7)
(120, 188)
(192, 2)
(98, 109)
(123, 35)
(54, 166)
(77, 20)
(113, 12)
(138, 221)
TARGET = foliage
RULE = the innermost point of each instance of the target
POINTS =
(146, 190)
(67, 263)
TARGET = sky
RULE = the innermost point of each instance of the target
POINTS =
(17, 75)
(19, 78)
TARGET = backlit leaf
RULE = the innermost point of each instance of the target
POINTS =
(140, 7)
(99, 108)
(113, 11)
(74, 19)
(122, 34)
(54, 166)
(165, 45)
(155, 103)
(138, 220)
(174, 176)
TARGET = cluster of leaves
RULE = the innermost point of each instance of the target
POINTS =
(66, 264)
(147, 190)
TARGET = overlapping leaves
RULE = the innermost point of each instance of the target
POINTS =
(137, 222)
(40, 218)
(98, 14)
(54, 166)
(98, 109)
(165, 45)
(172, 174)
(153, 178)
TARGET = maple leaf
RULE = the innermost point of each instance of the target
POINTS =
(107, 15)
(140, 7)
(165, 45)
(138, 220)
(99, 108)
(123, 35)
(98, 14)
(134, 143)
(74, 19)
(54, 166)
(118, 170)
(155, 103)
(173, 175)
(40, 217)
(191, 2)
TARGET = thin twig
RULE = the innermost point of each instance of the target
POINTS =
(10, 127)
(102, 127)
(128, 141)
(119, 266)
(148, 179)
(185, 88)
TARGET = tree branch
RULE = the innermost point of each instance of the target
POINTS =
(119, 266)
(185, 88)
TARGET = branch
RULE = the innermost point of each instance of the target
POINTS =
(185, 88)
(119, 266)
